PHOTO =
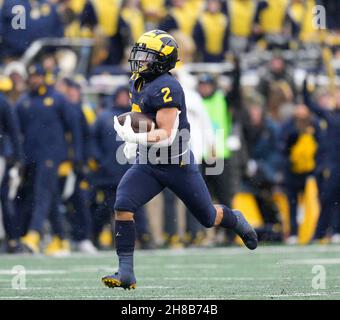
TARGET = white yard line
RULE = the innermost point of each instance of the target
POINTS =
(314, 261)
(111, 295)
(33, 272)
(195, 252)
(100, 286)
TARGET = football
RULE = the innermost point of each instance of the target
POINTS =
(140, 123)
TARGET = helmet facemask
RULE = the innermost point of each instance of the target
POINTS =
(147, 62)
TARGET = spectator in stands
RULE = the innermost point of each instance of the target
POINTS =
(16, 71)
(301, 17)
(241, 14)
(270, 24)
(299, 140)
(261, 174)
(180, 17)
(332, 38)
(202, 144)
(220, 185)
(50, 65)
(133, 16)
(332, 14)
(325, 101)
(276, 85)
(153, 11)
(44, 121)
(74, 176)
(211, 33)
(10, 163)
(71, 11)
(103, 17)
(329, 199)
(41, 21)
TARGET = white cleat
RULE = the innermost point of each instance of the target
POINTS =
(335, 239)
(86, 246)
(292, 240)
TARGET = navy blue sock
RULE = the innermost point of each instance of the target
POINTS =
(125, 244)
(229, 219)
(141, 219)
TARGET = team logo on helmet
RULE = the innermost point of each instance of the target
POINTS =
(154, 53)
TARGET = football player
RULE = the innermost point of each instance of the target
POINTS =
(164, 158)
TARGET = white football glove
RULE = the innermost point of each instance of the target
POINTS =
(130, 150)
(127, 134)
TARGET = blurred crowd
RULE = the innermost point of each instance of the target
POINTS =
(58, 165)
(207, 30)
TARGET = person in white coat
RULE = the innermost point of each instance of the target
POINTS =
(202, 144)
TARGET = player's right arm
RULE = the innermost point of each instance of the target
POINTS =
(167, 124)
(165, 101)
(312, 105)
(164, 135)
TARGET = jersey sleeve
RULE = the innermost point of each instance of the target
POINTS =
(167, 95)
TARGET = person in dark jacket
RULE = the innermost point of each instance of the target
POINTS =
(44, 119)
(261, 174)
(10, 163)
(76, 201)
(329, 220)
(299, 142)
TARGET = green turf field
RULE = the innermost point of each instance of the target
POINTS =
(278, 272)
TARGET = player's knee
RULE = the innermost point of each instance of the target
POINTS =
(124, 215)
(207, 218)
(205, 214)
(124, 204)
(209, 223)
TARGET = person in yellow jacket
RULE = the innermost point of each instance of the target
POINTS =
(133, 16)
(103, 17)
(241, 14)
(211, 33)
(154, 12)
(270, 24)
(182, 16)
(301, 17)
(71, 11)
(299, 142)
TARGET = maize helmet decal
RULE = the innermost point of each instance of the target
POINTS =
(154, 53)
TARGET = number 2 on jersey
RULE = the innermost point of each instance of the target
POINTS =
(166, 92)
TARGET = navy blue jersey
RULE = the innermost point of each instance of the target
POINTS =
(44, 120)
(150, 97)
(9, 130)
